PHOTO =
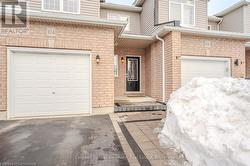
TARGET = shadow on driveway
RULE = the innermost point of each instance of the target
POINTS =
(61, 142)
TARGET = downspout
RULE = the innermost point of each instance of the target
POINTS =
(163, 68)
(218, 25)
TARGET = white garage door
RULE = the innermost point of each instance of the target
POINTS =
(48, 83)
(192, 67)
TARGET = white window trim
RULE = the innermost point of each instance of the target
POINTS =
(117, 61)
(182, 13)
(128, 27)
(61, 8)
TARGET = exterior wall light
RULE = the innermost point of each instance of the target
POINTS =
(122, 60)
(237, 62)
(98, 58)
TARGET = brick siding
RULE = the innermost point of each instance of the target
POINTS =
(97, 40)
(248, 64)
(120, 81)
(177, 45)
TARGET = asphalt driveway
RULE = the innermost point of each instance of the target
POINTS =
(61, 142)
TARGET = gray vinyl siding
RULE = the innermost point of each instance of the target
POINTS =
(147, 17)
(213, 25)
(247, 19)
(200, 13)
(35, 4)
(233, 21)
(89, 8)
(201, 10)
(135, 19)
(163, 11)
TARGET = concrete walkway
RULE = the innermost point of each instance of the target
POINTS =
(61, 142)
(138, 134)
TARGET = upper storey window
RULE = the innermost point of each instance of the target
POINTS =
(120, 17)
(66, 6)
(183, 11)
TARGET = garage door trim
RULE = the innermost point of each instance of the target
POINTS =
(206, 58)
(10, 56)
(225, 59)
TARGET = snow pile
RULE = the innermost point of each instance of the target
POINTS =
(209, 121)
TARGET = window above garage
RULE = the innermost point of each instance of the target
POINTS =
(64, 6)
(183, 11)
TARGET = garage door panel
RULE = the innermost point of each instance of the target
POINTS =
(25, 100)
(43, 59)
(25, 83)
(77, 91)
(71, 76)
(79, 83)
(68, 60)
(50, 84)
(42, 75)
(69, 99)
(204, 67)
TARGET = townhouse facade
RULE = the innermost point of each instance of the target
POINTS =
(236, 18)
(78, 56)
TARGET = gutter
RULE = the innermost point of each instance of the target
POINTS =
(163, 68)
(214, 18)
(119, 26)
(200, 32)
(121, 7)
(74, 18)
(232, 8)
(138, 37)
(65, 17)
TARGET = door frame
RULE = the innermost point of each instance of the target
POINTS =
(136, 56)
(10, 57)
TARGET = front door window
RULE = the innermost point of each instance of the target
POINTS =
(133, 74)
(133, 69)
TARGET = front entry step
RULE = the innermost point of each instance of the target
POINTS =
(141, 106)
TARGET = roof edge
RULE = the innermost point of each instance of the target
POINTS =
(232, 8)
(121, 7)
(200, 32)
(214, 18)
(138, 2)
(72, 18)
(138, 37)
(191, 31)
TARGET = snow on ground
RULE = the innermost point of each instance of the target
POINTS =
(209, 121)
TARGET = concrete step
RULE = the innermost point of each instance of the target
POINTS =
(144, 106)
(131, 94)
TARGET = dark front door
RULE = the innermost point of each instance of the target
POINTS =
(133, 74)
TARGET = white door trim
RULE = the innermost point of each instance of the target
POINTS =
(12, 50)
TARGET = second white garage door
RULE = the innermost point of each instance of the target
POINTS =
(192, 67)
(48, 82)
